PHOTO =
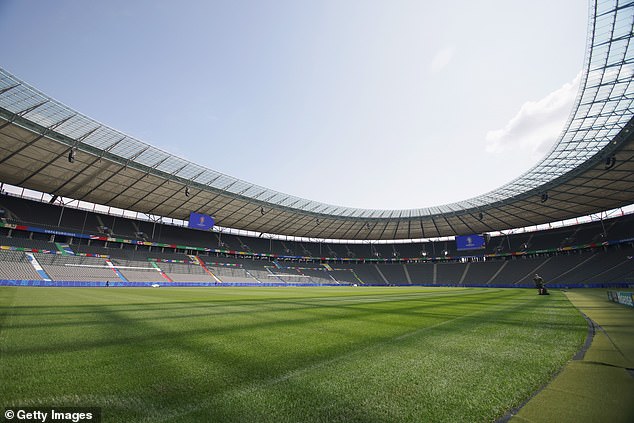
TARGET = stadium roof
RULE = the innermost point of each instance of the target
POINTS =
(590, 169)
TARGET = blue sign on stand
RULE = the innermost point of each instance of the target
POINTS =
(469, 242)
(201, 221)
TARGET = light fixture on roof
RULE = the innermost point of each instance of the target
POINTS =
(544, 196)
(186, 191)
(262, 211)
(610, 162)
(480, 216)
(71, 155)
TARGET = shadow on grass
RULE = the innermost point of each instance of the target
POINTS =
(323, 405)
(261, 316)
(215, 300)
(259, 306)
(182, 369)
(265, 316)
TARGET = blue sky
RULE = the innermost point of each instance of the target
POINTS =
(372, 104)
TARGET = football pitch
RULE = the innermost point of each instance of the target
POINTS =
(327, 354)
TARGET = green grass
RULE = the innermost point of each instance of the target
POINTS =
(283, 354)
(599, 387)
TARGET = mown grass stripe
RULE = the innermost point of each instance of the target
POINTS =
(243, 391)
(345, 354)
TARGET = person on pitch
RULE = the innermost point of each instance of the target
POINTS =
(539, 284)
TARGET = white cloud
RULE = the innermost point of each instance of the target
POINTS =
(537, 125)
(442, 59)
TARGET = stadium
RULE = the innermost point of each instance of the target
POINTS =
(146, 287)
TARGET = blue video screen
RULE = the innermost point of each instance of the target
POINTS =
(469, 242)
